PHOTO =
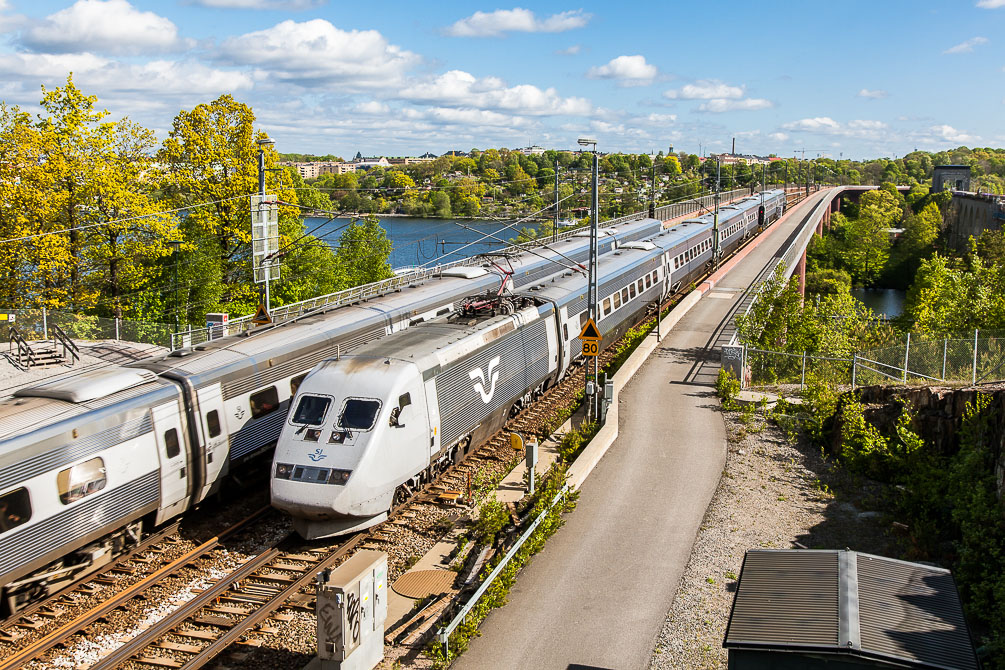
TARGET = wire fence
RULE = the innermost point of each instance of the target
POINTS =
(958, 360)
(37, 324)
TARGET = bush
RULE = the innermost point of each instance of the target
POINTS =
(727, 387)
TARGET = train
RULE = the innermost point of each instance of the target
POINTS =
(370, 427)
(90, 461)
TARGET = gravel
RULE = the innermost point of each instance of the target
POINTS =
(774, 494)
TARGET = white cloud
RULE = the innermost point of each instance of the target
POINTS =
(628, 70)
(705, 89)
(293, 5)
(877, 94)
(104, 26)
(718, 105)
(991, 4)
(967, 46)
(373, 107)
(316, 52)
(460, 89)
(778, 137)
(495, 24)
(824, 125)
(158, 77)
(570, 51)
(950, 134)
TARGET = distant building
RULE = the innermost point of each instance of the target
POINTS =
(337, 168)
(732, 159)
(532, 151)
(953, 177)
(367, 162)
(310, 169)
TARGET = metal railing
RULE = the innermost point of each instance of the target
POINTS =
(958, 360)
(25, 354)
(38, 324)
(443, 635)
(193, 336)
(59, 336)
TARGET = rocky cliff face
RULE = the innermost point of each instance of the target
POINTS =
(938, 412)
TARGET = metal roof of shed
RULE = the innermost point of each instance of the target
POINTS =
(849, 603)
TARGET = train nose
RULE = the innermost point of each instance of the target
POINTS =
(309, 491)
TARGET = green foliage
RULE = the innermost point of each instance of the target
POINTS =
(827, 281)
(574, 441)
(495, 596)
(727, 387)
(492, 518)
(820, 402)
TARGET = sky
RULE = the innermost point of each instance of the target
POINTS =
(845, 79)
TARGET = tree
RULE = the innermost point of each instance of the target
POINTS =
(362, 254)
(210, 160)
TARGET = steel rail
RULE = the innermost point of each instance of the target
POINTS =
(147, 543)
(72, 628)
(166, 626)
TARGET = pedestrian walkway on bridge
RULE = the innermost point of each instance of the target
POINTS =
(598, 593)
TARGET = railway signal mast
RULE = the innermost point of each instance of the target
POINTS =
(592, 291)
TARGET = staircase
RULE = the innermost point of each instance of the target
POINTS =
(43, 353)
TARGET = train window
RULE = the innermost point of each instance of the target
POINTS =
(311, 410)
(81, 480)
(15, 509)
(295, 384)
(358, 414)
(264, 402)
(676, 263)
(213, 423)
(631, 290)
(649, 280)
(624, 295)
(607, 306)
(638, 285)
(171, 446)
(617, 300)
(565, 330)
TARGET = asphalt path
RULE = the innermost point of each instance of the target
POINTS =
(598, 593)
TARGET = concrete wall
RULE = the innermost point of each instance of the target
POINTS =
(969, 215)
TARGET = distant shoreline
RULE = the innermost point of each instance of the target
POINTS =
(358, 215)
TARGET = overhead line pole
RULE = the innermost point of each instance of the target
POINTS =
(592, 288)
(554, 232)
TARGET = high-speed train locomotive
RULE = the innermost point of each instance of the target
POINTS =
(369, 427)
(88, 461)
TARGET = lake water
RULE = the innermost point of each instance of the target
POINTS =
(888, 301)
(423, 241)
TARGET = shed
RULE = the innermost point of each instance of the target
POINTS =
(842, 610)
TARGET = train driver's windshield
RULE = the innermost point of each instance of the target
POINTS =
(311, 410)
(359, 414)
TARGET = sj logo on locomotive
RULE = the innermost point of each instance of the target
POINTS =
(493, 375)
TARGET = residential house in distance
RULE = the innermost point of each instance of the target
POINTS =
(532, 150)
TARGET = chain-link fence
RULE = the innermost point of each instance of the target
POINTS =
(971, 359)
(37, 324)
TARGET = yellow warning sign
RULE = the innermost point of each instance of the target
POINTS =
(591, 348)
(590, 332)
(261, 316)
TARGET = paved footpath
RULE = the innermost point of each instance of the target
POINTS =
(597, 595)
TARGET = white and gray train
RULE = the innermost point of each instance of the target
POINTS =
(373, 425)
(89, 461)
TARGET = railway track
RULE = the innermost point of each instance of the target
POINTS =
(36, 614)
(79, 625)
(234, 608)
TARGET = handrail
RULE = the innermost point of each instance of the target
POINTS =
(58, 334)
(444, 633)
(385, 286)
(24, 349)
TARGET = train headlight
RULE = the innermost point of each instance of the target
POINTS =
(283, 470)
(339, 476)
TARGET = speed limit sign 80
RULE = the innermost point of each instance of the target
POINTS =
(590, 348)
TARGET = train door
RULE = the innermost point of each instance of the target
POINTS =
(433, 412)
(213, 426)
(175, 465)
